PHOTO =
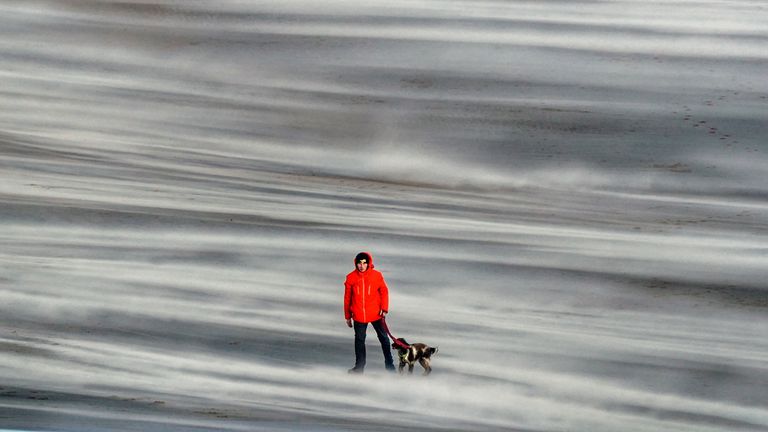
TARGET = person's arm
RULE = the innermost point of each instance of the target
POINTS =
(384, 293)
(347, 300)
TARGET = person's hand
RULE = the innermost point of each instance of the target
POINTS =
(349, 322)
(383, 313)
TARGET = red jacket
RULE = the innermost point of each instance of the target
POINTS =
(365, 294)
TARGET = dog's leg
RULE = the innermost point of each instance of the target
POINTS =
(410, 367)
(401, 367)
(425, 364)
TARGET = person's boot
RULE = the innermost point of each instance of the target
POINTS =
(355, 370)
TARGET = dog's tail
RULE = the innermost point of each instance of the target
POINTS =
(431, 351)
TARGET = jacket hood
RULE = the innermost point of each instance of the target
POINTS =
(366, 255)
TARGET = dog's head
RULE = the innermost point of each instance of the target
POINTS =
(431, 351)
(398, 346)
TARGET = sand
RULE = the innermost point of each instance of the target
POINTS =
(568, 198)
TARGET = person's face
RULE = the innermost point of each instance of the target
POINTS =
(362, 265)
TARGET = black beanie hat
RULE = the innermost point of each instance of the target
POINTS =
(361, 256)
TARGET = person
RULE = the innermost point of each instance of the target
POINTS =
(366, 300)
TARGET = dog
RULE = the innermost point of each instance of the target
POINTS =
(417, 352)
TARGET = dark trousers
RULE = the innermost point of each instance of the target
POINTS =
(360, 329)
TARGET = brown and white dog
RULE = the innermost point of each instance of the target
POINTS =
(416, 352)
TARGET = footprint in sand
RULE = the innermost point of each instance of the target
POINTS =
(711, 130)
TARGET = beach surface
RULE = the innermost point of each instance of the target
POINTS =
(568, 198)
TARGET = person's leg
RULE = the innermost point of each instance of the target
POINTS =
(385, 345)
(360, 329)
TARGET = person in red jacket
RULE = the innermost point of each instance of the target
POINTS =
(366, 300)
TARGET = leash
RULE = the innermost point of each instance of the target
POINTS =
(396, 341)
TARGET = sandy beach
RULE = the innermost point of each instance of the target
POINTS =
(568, 198)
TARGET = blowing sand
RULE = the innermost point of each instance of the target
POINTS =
(568, 198)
